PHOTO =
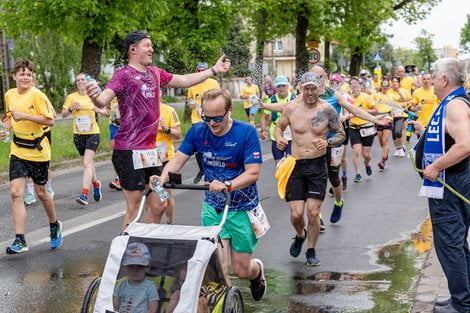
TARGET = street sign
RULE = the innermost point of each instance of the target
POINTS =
(314, 56)
(377, 57)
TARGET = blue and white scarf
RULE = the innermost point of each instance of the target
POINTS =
(434, 146)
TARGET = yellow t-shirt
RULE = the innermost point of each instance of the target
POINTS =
(249, 91)
(84, 118)
(195, 92)
(429, 103)
(171, 119)
(32, 102)
(364, 102)
(380, 101)
(396, 98)
(376, 85)
(115, 115)
(407, 83)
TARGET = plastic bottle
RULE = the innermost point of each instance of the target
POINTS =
(4, 128)
(94, 83)
(159, 190)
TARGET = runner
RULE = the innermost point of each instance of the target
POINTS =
(250, 96)
(310, 119)
(29, 111)
(424, 100)
(231, 157)
(194, 103)
(401, 97)
(86, 136)
(137, 87)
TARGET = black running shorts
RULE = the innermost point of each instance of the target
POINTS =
(356, 138)
(24, 168)
(307, 180)
(130, 178)
(86, 142)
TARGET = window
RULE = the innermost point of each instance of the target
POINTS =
(278, 45)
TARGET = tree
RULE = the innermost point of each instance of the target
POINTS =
(237, 49)
(425, 55)
(93, 23)
(465, 36)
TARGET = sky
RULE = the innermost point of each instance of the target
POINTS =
(445, 21)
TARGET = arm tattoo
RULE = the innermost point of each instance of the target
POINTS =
(335, 125)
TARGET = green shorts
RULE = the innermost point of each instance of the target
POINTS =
(237, 228)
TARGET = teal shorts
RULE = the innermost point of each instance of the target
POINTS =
(237, 228)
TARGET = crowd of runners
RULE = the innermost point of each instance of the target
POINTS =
(310, 123)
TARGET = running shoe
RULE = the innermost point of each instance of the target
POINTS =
(344, 179)
(97, 191)
(336, 213)
(115, 184)
(402, 152)
(56, 235)
(18, 246)
(331, 192)
(29, 198)
(296, 245)
(322, 226)
(83, 199)
(381, 165)
(397, 153)
(198, 177)
(311, 258)
(258, 285)
(368, 170)
(50, 192)
(358, 178)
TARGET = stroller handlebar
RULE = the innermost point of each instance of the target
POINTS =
(170, 185)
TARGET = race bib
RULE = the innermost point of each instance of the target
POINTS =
(367, 131)
(336, 155)
(259, 221)
(83, 123)
(145, 158)
(162, 151)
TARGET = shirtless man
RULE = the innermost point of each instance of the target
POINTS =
(314, 118)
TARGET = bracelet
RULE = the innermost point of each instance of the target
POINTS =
(168, 130)
(213, 71)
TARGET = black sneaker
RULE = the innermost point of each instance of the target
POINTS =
(322, 226)
(442, 302)
(336, 213)
(311, 258)
(296, 246)
(258, 285)
(198, 177)
(344, 179)
(331, 192)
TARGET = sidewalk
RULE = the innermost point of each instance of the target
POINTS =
(431, 285)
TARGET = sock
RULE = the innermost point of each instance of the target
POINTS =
(85, 192)
(96, 184)
(20, 237)
(49, 185)
(53, 224)
(30, 188)
(340, 203)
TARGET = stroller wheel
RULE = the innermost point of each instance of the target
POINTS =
(90, 296)
(233, 302)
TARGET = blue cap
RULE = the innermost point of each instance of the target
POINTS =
(202, 65)
(281, 80)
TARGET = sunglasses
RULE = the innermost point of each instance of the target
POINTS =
(216, 119)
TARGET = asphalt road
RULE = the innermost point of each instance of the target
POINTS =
(382, 209)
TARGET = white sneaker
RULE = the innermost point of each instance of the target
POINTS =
(51, 193)
(29, 198)
(402, 152)
(397, 152)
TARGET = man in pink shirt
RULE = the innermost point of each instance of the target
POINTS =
(137, 88)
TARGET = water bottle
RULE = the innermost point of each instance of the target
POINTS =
(94, 83)
(159, 190)
(4, 128)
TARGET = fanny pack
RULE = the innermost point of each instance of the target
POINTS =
(29, 143)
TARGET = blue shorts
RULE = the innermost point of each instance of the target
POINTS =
(254, 110)
(112, 131)
(279, 154)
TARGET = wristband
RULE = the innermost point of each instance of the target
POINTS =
(213, 71)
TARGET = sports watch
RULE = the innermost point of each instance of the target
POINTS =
(228, 183)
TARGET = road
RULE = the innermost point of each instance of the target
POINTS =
(380, 211)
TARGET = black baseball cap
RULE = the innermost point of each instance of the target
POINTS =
(131, 39)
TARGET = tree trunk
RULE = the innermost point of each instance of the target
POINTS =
(260, 42)
(301, 53)
(327, 55)
(91, 58)
(356, 58)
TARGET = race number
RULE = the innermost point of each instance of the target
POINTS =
(145, 158)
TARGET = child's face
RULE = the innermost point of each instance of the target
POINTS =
(136, 273)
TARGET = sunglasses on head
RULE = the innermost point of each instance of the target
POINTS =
(216, 119)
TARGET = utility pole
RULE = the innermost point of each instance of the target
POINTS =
(4, 60)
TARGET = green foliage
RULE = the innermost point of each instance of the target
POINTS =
(465, 36)
(237, 49)
(425, 55)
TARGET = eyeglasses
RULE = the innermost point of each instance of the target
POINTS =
(216, 119)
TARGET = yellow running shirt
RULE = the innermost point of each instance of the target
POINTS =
(32, 102)
(249, 91)
(363, 101)
(380, 101)
(84, 118)
(428, 101)
(195, 92)
(169, 116)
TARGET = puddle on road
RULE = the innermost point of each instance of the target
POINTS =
(333, 292)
